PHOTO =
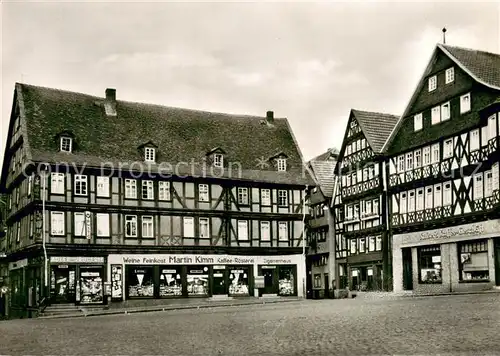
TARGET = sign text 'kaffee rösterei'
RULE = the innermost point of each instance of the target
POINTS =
(204, 259)
(450, 232)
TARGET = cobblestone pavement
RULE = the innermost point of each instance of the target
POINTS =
(446, 325)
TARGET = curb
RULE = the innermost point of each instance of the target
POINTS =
(163, 308)
(404, 296)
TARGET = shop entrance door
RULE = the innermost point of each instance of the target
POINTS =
(327, 286)
(219, 282)
(269, 287)
(407, 269)
(63, 284)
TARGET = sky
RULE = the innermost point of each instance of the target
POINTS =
(308, 62)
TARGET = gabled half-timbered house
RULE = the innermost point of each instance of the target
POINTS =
(443, 176)
(145, 201)
(361, 237)
(321, 233)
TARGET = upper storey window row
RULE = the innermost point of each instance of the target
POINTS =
(361, 175)
(442, 113)
(356, 146)
(449, 77)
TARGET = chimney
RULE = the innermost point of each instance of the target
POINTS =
(110, 102)
(270, 117)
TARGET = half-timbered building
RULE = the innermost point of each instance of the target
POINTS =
(132, 200)
(443, 176)
(320, 227)
(361, 237)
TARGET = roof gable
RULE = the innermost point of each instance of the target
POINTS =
(376, 127)
(323, 168)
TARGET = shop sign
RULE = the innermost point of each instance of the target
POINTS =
(259, 282)
(268, 267)
(88, 225)
(18, 264)
(203, 260)
(455, 231)
(76, 259)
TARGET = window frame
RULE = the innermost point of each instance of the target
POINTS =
(185, 223)
(84, 188)
(150, 223)
(218, 160)
(445, 108)
(240, 193)
(164, 193)
(281, 163)
(62, 230)
(283, 234)
(262, 229)
(435, 115)
(465, 108)
(149, 154)
(449, 75)
(133, 223)
(104, 183)
(147, 186)
(203, 192)
(100, 217)
(429, 251)
(132, 185)
(240, 229)
(203, 223)
(83, 231)
(282, 197)
(265, 200)
(466, 250)
(66, 141)
(418, 122)
(432, 83)
(54, 177)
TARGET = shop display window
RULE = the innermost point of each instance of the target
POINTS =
(429, 264)
(91, 285)
(116, 281)
(140, 282)
(197, 281)
(238, 281)
(317, 281)
(474, 261)
(286, 281)
(170, 282)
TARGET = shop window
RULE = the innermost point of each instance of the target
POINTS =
(286, 281)
(170, 282)
(116, 280)
(197, 281)
(91, 285)
(429, 264)
(238, 281)
(474, 261)
(140, 282)
(317, 281)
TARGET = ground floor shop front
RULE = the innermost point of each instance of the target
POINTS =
(455, 259)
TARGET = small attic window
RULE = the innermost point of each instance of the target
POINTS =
(149, 154)
(281, 164)
(218, 160)
(66, 144)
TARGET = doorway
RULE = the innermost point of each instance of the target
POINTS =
(219, 285)
(327, 286)
(268, 281)
(407, 269)
(63, 284)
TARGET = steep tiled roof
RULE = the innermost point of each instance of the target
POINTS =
(323, 167)
(376, 127)
(181, 135)
(484, 66)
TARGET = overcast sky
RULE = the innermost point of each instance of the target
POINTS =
(309, 62)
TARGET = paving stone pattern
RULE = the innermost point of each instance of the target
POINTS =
(444, 325)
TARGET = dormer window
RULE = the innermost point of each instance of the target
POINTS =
(66, 144)
(282, 164)
(149, 154)
(218, 160)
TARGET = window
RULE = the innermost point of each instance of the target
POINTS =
(474, 260)
(428, 198)
(348, 180)
(79, 225)
(348, 149)
(363, 144)
(18, 232)
(465, 103)
(402, 208)
(371, 243)
(66, 144)
(450, 75)
(445, 112)
(492, 127)
(432, 83)
(362, 245)
(447, 194)
(349, 212)
(130, 226)
(57, 183)
(203, 192)
(218, 160)
(130, 188)
(437, 195)
(429, 264)
(378, 243)
(478, 186)
(283, 231)
(265, 197)
(418, 122)
(204, 228)
(265, 231)
(420, 200)
(418, 158)
(435, 153)
(243, 196)
(488, 186)
(147, 226)
(448, 148)
(317, 281)
(242, 230)
(80, 184)
(354, 248)
(401, 163)
(30, 183)
(57, 223)
(354, 177)
(163, 190)
(411, 201)
(188, 230)
(147, 190)
(474, 140)
(409, 161)
(102, 225)
(282, 197)
(149, 154)
(368, 207)
(427, 156)
(435, 115)
(102, 186)
(375, 207)
(281, 164)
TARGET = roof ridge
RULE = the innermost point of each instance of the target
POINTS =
(469, 49)
(232, 115)
(374, 112)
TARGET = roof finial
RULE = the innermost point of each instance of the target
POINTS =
(444, 35)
